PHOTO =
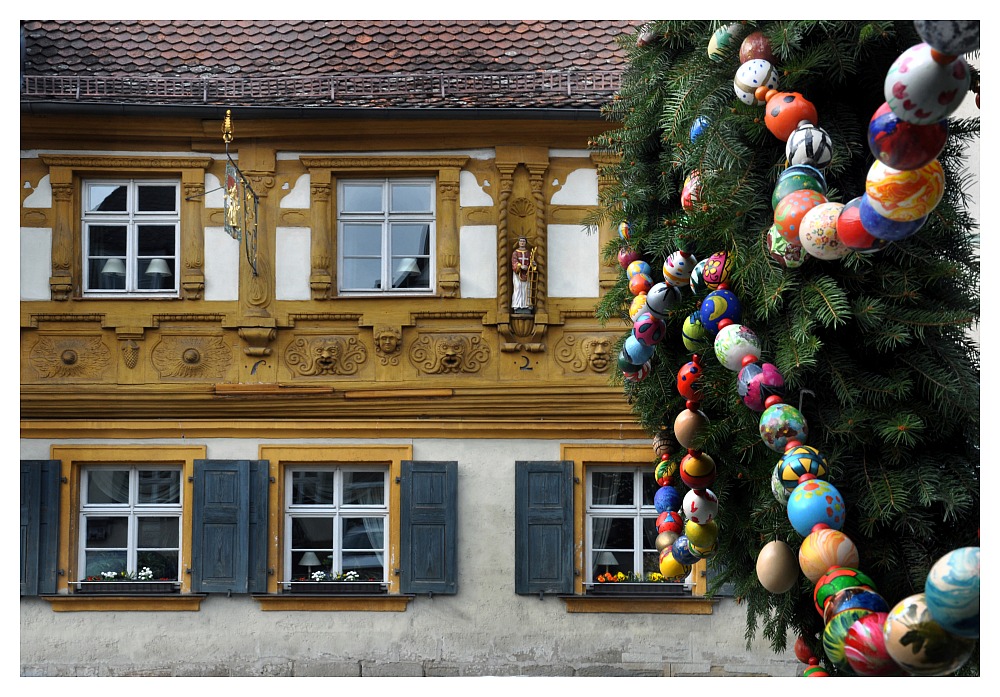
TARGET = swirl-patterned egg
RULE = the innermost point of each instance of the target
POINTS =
(886, 229)
(905, 195)
(952, 592)
(918, 644)
(923, 91)
(864, 648)
(824, 548)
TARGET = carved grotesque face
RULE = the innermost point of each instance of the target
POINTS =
(597, 351)
(327, 355)
(451, 353)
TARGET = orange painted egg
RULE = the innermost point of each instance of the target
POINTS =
(790, 210)
(905, 195)
(825, 548)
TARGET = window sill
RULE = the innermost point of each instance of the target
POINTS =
(672, 590)
(659, 604)
(333, 603)
(78, 602)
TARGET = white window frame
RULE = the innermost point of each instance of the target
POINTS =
(386, 218)
(133, 510)
(336, 510)
(636, 510)
(131, 219)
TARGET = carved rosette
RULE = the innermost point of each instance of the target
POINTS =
(192, 357)
(70, 357)
(579, 353)
(325, 355)
(449, 354)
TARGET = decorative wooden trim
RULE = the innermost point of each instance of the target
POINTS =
(413, 162)
(635, 606)
(84, 603)
(126, 162)
(292, 603)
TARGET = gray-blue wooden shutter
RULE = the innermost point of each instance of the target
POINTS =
(40, 491)
(223, 555)
(427, 549)
(543, 527)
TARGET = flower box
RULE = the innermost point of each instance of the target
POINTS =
(126, 587)
(633, 589)
(338, 588)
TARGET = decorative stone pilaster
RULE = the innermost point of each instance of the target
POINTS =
(321, 276)
(448, 274)
(192, 235)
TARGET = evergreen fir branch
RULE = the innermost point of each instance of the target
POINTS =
(828, 300)
(901, 429)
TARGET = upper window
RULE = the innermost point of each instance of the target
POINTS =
(621, 523)
(131, 232)
(386, 234)
(130, 523)
(336, 525)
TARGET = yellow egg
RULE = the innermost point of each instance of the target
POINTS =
(777, 567)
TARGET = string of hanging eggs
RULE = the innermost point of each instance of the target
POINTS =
(862, 634)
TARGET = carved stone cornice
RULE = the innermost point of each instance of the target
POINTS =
(134, 162)
(294, 317)
(35, 319)
(384, 162)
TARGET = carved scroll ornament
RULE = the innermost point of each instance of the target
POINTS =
(449, 354)
(325, 355)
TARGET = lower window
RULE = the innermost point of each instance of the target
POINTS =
(336, 528)
(621, 526)
(130, 523)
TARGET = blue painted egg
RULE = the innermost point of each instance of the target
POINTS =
(682, 551)
(816, 501)
(903, 145)
(666, 498)
(638, 267)
(781, 423)
(952, 592)
(717, 306)
(636, 352)
(877, 225)
(698, 127)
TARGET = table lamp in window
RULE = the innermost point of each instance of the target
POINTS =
(113, 274)
(309, 560)
(158, 269)
(606, 559)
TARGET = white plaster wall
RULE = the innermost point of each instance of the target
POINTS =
(579, 189)
(292, 263)
(470, 193)
(298, 195)
(485, 629)
(36, 263)
(477, 249)
(573, 258)
(222, 265)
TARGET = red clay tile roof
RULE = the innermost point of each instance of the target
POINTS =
(326, 63)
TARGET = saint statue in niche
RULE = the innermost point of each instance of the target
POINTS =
(525, 271)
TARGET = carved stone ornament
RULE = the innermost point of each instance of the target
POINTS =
(388, 341)
(325, 355)
(192, 357)
(130, 353)
(74, 357)
(579, 353)
(449, 354)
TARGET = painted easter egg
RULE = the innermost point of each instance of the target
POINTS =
(664, 540)
(756, 382)
(670, 567)
(777, 489)
(638, 266)
(952, 37)
(636, 351)
(790, 210)
(666, 498)
(855, 598)
(751, 75)
(697, 281)
(776, 567)
(903, 145)
(682, 551)
(918, 644)
(818, 233)
(721, 38)
(664, 443)
(923, 91)
(781, 423)
(756, 46)
(793, 182)
(624, 230)
(835, 636)
(640, 283)
(698, 470)
(700, 505)
(670, 521)
(887, 229)
(717, 306)
(824, 548)
(702, 535)
(687, 380)
(788, 255)
(716, 270)
(803, 171)
(784, 112)
(952, 592)
(864, 648)
(734, 343)
(835, 580)
(801, 460)
(638, 306)
(665, 470)
(689, 427)
(698, 127)
(905, 195)
(852, 233)
(648, 329)
(690, 191)
(815, 501)
(809, 144)
(677, 268)
(693, 333)
(638, 374)
(661, 298)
